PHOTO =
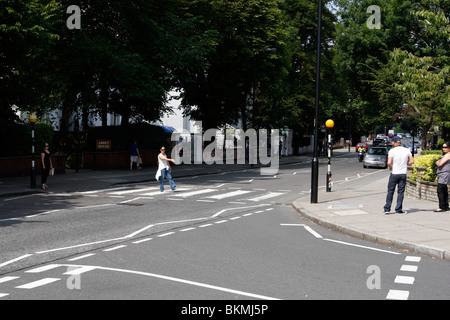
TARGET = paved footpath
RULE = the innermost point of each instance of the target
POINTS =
(359, 213)
(354, 212)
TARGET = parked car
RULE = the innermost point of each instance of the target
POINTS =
(362, 144)
(376, 157)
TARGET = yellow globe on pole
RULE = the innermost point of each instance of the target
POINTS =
(32, 118)
(329, 123)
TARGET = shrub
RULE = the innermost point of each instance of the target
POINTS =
(429, 162)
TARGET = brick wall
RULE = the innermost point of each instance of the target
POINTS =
(424, 190)
(21, 166)
(421, 189)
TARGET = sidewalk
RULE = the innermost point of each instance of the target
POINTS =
(357, 213)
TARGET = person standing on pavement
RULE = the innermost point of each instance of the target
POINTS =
(46, 165)
(399, 158)
(443, 178)
(164, 170)
(134, 155)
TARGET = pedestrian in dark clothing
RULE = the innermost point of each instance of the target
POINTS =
(46, 165)
(135, 156)
(443, 178)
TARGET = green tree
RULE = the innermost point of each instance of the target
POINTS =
(361, 49)
(224, 87)
(420, 78)
(25, 39)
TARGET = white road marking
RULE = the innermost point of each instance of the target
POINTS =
(38, 283)
(6, 279)
(413, 259)
(79, 270)
(409, 268)
(15, 260)
(43, 268)
(228, 194)
(360, 246)
(143, 240)
(194, 193)
(119, 193)
(115, 248)
(165, 234)
(266, 196)
(82, 257)
(398, 295)
(184, 281)
(404, 280)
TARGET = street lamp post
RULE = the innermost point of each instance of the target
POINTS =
(329, 124)
(315, 161)
(32, 118)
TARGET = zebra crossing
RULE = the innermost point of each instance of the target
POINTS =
(190, 192)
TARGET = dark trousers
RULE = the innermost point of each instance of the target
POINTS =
(442, 191)
(400, 181)
(44, 174)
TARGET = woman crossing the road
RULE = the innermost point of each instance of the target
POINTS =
(164, 170)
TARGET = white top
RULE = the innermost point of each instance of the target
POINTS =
(162, 164)
(400, 156)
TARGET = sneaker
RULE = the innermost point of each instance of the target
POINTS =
(386, 211)
(401, 212)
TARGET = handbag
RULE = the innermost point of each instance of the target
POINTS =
(140, 160)
(52, 171)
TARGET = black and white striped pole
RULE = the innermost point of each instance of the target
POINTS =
(32, 118)
(329, 124)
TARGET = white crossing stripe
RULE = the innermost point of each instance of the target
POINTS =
(404, 280)
(119, 193)
(155, 193)
(398, 295)
(3, 295)
(38, 283)
(266, 196)
(228, 194)
(194, 193)
(44, 268)
(407, 267)
(412, 259)
(80, 270)
(5, 279)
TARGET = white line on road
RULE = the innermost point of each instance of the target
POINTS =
(184, 281)
(165, 234)
(360, 246)
(115, 248)
(38, 283)
(15, 260)
(82, 257)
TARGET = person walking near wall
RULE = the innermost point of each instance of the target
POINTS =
(443, 178)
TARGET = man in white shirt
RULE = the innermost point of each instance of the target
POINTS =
(399, 158)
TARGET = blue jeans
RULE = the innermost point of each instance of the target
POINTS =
(166, 172)
(394, 180)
